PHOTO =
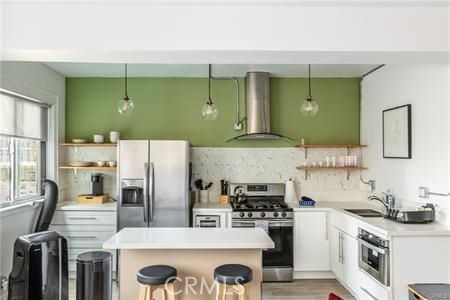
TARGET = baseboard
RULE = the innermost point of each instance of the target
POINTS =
(314, 275)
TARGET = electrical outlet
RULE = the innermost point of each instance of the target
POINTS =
(237, 126)
(424, 192)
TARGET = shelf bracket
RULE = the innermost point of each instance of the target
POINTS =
(348, 174)
(306, 152)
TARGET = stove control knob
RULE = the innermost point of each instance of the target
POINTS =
(249, 214)
(263, 215)
(275, 214)
(283, 214)
(241, 214)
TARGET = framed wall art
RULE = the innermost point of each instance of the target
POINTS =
(397, 132)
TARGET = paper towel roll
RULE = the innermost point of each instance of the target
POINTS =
(290, 195)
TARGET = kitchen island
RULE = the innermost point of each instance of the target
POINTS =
(194, 252)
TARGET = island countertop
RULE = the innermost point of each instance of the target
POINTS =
(190, 238)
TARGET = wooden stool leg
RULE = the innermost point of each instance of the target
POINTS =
(150, 291)
(242, 292)
(220, 291)
(169, 291)
(142, 292)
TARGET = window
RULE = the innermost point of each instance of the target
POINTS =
(20, 175)
(23, 128)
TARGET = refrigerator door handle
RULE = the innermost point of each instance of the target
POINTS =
(146, 192)
(152, 191)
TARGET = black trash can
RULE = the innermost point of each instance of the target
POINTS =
(94, 276)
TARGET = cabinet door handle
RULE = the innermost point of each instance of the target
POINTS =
(368, 293)
(342, 245)
(340, 251)
(80, 237)
(82, 218)
(326, 227)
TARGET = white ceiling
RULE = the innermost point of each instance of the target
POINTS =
(196, 70)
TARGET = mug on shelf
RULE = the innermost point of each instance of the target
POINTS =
(114, 137)
(98, 138)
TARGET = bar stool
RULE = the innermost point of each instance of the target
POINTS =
(232, 277)
(154, 278)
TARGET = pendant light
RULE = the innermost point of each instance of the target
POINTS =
(209, 110)
(309, 107)
(126, 105)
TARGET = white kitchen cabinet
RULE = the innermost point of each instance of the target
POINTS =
(311, 241)
(336, 252)
(85, 227)
(344, 259)
(350, 262)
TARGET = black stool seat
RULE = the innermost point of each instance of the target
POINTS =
(232, 274)
(156, 275)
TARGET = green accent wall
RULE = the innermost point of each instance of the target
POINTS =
(170, 108)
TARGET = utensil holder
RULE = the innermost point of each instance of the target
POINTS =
(204, 196)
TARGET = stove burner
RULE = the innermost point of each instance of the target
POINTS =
(260, 205)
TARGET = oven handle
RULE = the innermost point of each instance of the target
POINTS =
(373, 247)
(281, 224)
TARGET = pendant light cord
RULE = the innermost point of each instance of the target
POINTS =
(209, 84)
(126, 80)
(309, 80)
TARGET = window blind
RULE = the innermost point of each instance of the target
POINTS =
(22, 117)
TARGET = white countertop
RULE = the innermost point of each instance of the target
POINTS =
(385, 226)
(189, 238)
(212, 207)
(73, 205)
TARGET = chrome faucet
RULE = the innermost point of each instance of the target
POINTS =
(388, 200)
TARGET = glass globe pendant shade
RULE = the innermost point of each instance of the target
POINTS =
(125, 106)
(210, 111)
(309, 107)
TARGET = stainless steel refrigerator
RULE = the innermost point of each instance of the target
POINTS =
(153, 184)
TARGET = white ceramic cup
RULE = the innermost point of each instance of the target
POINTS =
(111, 163)
(101, 163)
(98, 138)
(114, 136)
(204, 196)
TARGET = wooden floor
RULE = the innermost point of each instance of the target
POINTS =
(305, 289)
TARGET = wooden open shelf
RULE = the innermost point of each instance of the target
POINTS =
(86, 168)
(88, 145)
(331, 146)
(348, 169)
(331, 168)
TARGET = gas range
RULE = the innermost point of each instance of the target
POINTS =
(259, 201)
(271, 208)
(263, 206)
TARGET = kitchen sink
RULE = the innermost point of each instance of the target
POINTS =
(366, 213)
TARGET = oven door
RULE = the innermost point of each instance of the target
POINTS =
(374, 261)
(277, 262)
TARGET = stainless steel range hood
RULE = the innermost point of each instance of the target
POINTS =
(258, 108)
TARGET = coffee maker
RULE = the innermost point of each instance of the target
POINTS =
(97, 184)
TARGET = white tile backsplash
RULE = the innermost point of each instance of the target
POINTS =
(267, 165)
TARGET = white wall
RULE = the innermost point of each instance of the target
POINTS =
(426, 88)
(227, 31)
(37, 81)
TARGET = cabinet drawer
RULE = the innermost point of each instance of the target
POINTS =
(73, 254)
(344, 223)
(84, 218)
(71, 228)
(370, 289)
(86, 239)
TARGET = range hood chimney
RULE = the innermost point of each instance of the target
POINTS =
(258, 108)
